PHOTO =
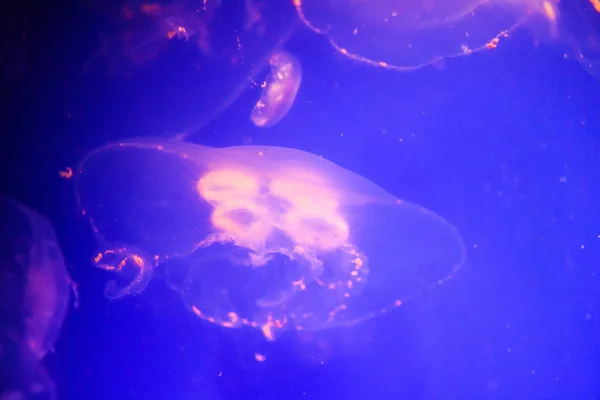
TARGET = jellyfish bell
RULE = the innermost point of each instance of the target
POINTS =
(36, 291)
(267, 237)
(279, 90)
(408, 35)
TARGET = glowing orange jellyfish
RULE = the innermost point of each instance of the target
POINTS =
(267, 237)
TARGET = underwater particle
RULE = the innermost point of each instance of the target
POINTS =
(266, 237)
(279, 90)
(36, 288)
(408, 35)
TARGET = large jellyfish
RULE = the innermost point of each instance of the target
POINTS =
(35, 287)
(410, 34)
(267, 237)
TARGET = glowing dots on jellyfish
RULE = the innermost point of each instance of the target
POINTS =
(405, 36)
(278, 91)
(264, 237)
(145, 31)
(128, 263)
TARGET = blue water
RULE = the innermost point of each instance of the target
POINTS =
(504, 144)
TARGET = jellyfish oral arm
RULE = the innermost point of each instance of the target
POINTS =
(125, 260)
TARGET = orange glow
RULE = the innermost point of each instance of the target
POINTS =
(67, 173)
(124, 259)
(549, 10)
(151, 9)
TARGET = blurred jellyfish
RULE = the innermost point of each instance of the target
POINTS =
(266, 237)
(35, 287)
(407, 35)
(279, 90)
(235, 40)
(143, 33)
(580, 32)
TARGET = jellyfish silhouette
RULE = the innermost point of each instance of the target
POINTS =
(35, 288)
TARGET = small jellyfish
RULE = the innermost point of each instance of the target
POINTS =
(266, 237)
(279, 90)
(35, 287)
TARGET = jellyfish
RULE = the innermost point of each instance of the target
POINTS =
(279, 90)
(36, 288)
(217, 48)
(580, 34)
(266, 237)
(408, 35)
